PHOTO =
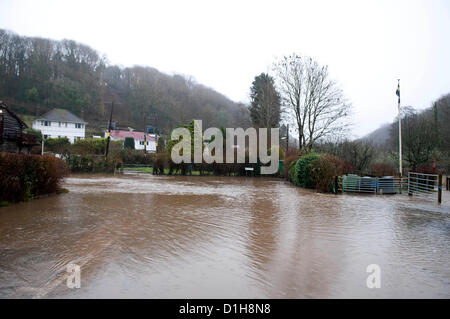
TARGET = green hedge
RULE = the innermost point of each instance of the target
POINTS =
(92, 164)
(303, 176)
(24, 177)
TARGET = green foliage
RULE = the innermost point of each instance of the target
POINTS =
(70, 94)
(265, 108)
(136, 157)
(32, 95)
(72, 76)
(93, 164)
(289, 166)
(24, 177)
(303, 176)
(95, 146)
(59, 145)
(128, 143)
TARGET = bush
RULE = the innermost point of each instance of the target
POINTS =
(24, 177)
(289, 162)
(57, 145)
(95, 146)
(160, 163)
(323, 170)
(382, 169)
(302, 174)
(128, 143)
(136, 157)
(93, 164)
(37, 133)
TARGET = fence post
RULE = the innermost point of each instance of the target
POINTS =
(409, 180)
(440, 188)
(336, 184)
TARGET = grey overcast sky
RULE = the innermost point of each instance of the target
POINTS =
(367, 45)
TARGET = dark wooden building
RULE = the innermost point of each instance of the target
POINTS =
(12, 137)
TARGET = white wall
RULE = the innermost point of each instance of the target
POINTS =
(151, 145)
(59, 129)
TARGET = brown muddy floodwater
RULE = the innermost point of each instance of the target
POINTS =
(221, 237)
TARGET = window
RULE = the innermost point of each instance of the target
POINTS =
(59, 124)
(78, 125)
(45, 136)
(65, 124)
(47, 123)
(141, 142)
(42, 123)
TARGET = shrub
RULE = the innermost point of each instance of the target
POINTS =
(37, 133)
(95, 146)
(425, 169)
(302, 174)
(382, 169)
(93, 164)
(160, 163)
(136, 157)
(323, 170)
(288, 163)
(128, 143)
(57, 145)
(24, 177)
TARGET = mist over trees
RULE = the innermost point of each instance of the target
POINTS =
(425, 135)
(65, 74)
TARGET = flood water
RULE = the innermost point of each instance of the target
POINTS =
(146, 236)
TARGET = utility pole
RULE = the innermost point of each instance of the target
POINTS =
(145, 133)
(399, 131)
(287, 139)
(109, 129)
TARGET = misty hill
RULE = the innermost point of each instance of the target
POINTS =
(380, 136)
(39, 74)
(386, 136)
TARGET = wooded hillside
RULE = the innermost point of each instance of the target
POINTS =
(38, 74)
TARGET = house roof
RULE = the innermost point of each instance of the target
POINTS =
(60, 115)
(121, 135)
(5, 107)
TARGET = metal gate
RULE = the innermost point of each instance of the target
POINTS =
(426, 186)
(372, 185)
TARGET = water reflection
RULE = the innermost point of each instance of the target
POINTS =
(202, 237)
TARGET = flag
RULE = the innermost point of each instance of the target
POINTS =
(398, 92)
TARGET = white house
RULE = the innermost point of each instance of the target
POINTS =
(139, 138)
(60, 123)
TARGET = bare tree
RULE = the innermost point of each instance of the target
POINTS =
(419, 137)
(315, 102)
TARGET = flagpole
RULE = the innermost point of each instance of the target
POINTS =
(399, 133)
